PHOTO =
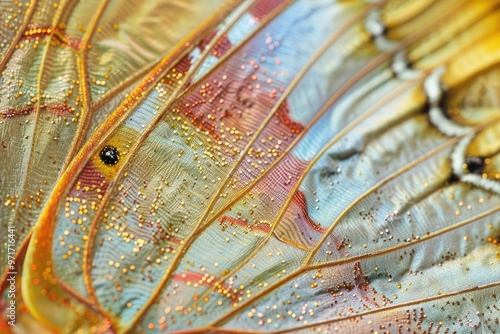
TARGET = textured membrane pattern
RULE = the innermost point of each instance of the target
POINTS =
(250, 166)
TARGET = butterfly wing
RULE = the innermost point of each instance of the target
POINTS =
(276, 173)
(60, 68)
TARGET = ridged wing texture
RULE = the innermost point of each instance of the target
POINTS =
(60, 64)
(309, 166)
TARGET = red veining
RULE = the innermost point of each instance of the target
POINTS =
(283, 115)
(57, 109)
(299, 206)
(260, 226)
(89, 180)
(263, 8)
(220, 48)
(34, 32)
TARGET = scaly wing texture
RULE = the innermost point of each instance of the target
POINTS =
(64, 66)
(290, 166)
(61, 63)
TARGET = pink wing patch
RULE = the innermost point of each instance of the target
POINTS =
(264, 7)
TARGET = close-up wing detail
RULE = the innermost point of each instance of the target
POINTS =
(250, 166)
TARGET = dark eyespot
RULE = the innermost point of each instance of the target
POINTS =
(109, 155)
(443, 103)
(475, 165)
(453, 179)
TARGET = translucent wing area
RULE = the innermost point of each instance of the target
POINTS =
(309, 166)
